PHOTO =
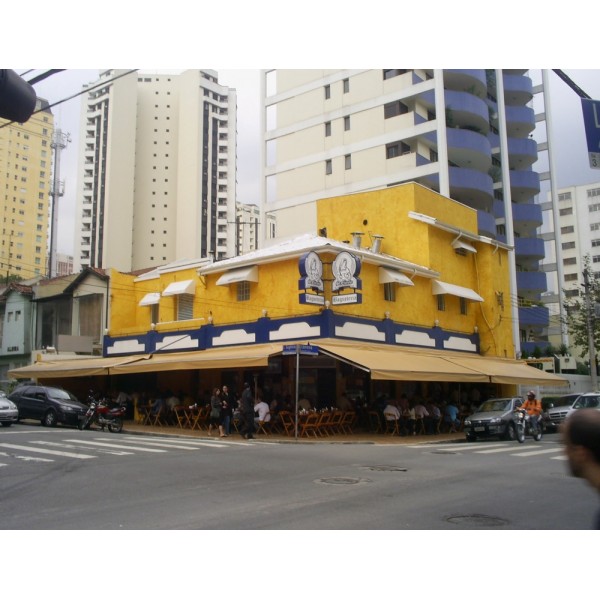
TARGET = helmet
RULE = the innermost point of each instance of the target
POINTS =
(531, 393)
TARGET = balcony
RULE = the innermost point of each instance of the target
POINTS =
(522, 153)
(531, 284)
(466, 80)
(463, 110)
(518, 90)
(520, 121)
(526, 217)
(469, 149)
(536, 317)
(471, 187)
(529, 249)
(524, 185)
(486, 224)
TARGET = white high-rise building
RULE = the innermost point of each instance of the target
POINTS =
(157, 170)
(466, 133)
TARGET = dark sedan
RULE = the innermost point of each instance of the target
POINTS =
(50, 405)
(494, 418)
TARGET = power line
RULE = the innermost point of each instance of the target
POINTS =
(85, 91)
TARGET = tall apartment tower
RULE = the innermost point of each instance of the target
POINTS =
(579, 235)
(157, 170)
(25, 182)
(466, 133)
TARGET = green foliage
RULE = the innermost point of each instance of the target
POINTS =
(580, 314)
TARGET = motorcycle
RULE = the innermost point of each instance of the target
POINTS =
(102, 414)
(524, 426)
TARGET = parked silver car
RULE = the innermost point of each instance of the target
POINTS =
(556, 415)
(9, 413)
(494, 418)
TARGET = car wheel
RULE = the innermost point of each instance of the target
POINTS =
(471, 438)
(511, 433)
(50, 419)
(7, 424)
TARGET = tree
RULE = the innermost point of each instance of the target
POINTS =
(580, 312)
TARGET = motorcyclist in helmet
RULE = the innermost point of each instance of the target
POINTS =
(533, 407)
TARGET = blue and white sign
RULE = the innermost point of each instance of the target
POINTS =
(346, 270)
(591, 120)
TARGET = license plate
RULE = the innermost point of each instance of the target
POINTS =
(479, 428)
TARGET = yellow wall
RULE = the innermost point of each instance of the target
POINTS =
(383, 212)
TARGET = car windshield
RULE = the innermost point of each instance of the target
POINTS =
(58, 394)
(587, 402)
(499, 405)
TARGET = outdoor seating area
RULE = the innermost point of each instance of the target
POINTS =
(312, 424)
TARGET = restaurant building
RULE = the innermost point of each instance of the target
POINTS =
(395, 292)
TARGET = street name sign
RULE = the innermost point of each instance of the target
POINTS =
(591, 120)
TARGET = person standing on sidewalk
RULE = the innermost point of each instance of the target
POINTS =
(214, 419)
(247, 412)
(226, 410)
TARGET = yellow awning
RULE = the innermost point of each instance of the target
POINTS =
(422, 364)
(400, 364)
(83, 367)
(216, 358)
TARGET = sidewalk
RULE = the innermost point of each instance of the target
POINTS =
(131, 427)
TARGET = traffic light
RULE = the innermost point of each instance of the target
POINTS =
(17, 97)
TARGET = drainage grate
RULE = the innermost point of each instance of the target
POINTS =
(483, 521)
(342, 480)
(387, 468)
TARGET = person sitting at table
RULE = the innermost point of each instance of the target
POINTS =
(451, 417)
(261, 408)
(391, 412)
(421, 412)
(343, 402)
(304, 403)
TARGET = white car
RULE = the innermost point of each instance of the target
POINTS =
(9, 413)
(556, 415)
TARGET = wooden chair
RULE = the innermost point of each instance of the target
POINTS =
(335, 421)
(200, 421)
(348, 421)
(182, 416)
(263, 427)
(392, 424)
(309, 425)
(323, 423)
(286, 418)
(374, 421)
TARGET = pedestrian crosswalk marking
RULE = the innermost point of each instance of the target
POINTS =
(140, 449)
(535, 452)
(221, 443)
(161, 444)
(47, 451)
(74, 446)
(34, 459)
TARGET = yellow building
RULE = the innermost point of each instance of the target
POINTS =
(25, 180)
(396, 292)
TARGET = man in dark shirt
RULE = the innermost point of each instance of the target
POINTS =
(247, 412)
(581, 434)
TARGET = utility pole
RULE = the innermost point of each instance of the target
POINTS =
(59, 142)
(590, 327)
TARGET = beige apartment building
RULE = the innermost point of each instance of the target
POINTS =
(25, 182)
(157, 170)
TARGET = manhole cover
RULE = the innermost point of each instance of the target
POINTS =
(443, 452)
(477, 521)
(343, 480)
(386, 468)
